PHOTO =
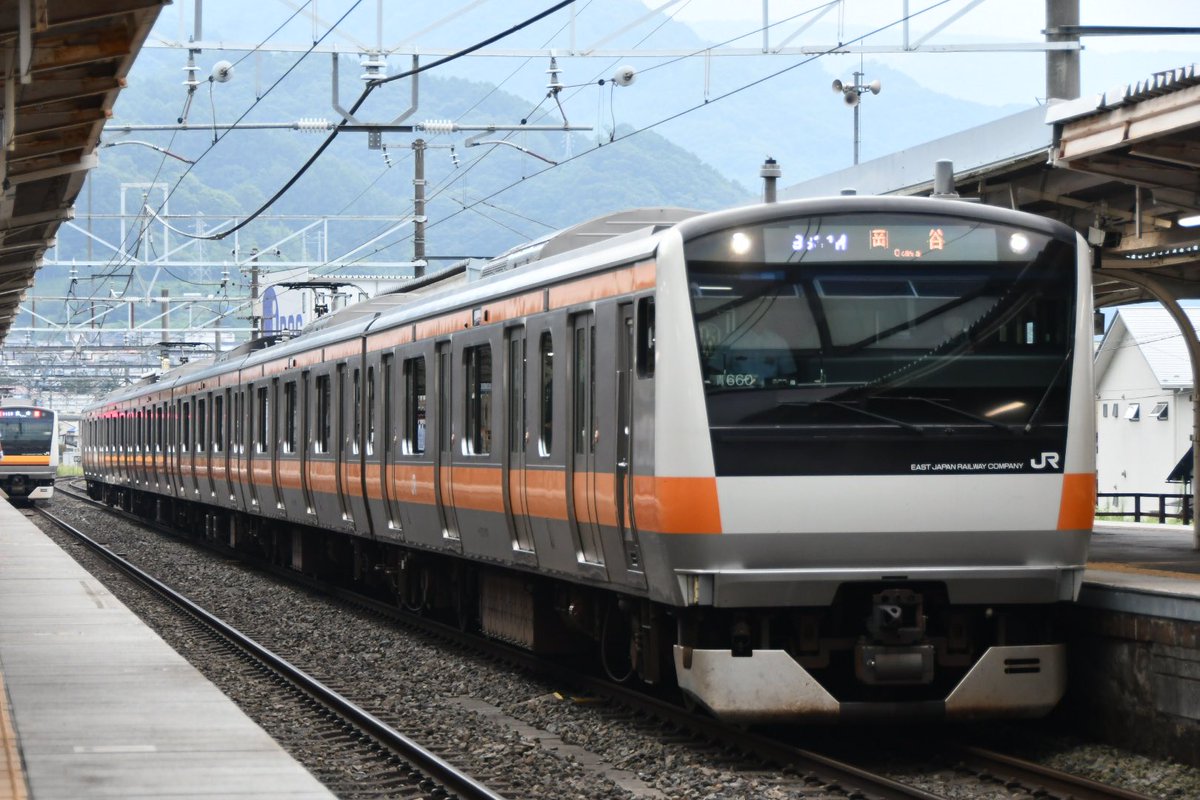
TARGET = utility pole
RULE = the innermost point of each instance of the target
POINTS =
(1062, 66)
(165, 311)
(255, 318)
(418, 147)
(852, 95)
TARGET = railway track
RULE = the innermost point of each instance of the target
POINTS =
(796, 768)
(403, 766)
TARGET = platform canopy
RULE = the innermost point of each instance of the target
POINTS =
(1121, 167)
(63, 62)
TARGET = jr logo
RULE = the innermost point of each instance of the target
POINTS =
(1045, 460)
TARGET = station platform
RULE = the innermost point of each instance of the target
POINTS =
(1143, 568)
(93, 704)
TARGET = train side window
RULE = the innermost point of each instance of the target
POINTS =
(185, 420)
(645, 337)
(289, 417)
(356, 381)
(546, 393)
(262, 419)
(414, 406)
(218, 426)
(201, 426)
(323, 414)
(479, 400)
(238, 425)
(516, 393)
(370, 411)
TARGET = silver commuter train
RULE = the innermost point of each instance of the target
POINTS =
(818, 459)
(29, 450)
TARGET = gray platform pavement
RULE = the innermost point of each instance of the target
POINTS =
(101, 707)
(1143, 568)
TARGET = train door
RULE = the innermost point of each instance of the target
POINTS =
(179, 449)
(306, 441)
(256, 417)
(585, 436)
(443, 403)
(140, 446)
(623, 472)
(204, 453)
(286, 455)
(160, 446)
(389, 438)
(516, 500)
(342, 446)
(221, 445)
(355, 448)
(225, 440)
(273, 442)
(237, 425)
(211, 445)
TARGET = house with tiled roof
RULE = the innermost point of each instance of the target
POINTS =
(1144, 396)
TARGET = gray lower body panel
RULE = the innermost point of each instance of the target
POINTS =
(769, 686)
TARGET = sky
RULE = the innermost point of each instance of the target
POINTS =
(994, 78)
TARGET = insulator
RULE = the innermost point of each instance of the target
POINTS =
(438, 126)
(312, 124)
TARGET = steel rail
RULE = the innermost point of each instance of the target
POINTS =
(862, 782)
(456, 781)
(984, 763)
(1038, 779)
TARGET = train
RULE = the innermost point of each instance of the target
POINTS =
(29, 450)
(815, 460)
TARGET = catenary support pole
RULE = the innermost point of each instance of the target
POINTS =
(1167, 298)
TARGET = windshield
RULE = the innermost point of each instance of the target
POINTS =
(903, 328)
(25, 431)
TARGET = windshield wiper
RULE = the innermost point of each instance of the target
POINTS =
(959, 411)
(850, 407)
(1037, 410)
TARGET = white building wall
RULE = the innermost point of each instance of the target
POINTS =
(1136, 456)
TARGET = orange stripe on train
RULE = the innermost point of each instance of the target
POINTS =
(1077, 509)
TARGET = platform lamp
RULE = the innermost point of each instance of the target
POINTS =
(852, 94)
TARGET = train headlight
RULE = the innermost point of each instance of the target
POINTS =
(740, 243)
(1018, 243)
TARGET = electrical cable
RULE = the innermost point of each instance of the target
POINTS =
(677, 115)
(371, 85)
(459, 174)
(125, 257)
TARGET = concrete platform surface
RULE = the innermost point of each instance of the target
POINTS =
(101, 707)
(1144, 569)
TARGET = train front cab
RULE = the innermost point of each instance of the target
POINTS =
(900, 506)
(28, 452)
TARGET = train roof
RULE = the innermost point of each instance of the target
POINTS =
(593, 245)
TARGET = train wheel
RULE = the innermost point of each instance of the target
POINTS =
(618, 645)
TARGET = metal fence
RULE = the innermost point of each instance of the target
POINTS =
(1153, 507)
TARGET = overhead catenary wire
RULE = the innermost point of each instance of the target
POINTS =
(674, 116)
(370, 87)
(459, 174)
(124, 256)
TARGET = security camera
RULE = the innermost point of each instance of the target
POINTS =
(624, 75)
